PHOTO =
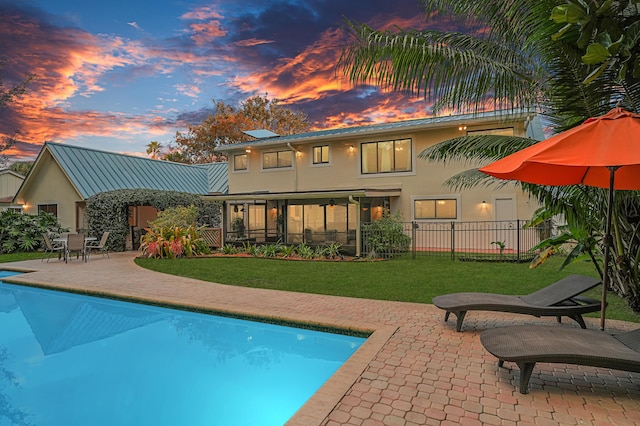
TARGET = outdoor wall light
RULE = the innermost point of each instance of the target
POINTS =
(463, 127)
(248, 150)
(351, 148)
(484, 204)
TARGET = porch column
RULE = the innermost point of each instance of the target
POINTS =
(358, 227)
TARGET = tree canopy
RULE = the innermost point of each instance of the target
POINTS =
(227, 124)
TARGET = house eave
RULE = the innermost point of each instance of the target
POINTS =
(306, 195)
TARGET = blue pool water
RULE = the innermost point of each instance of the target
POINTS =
(68, 359)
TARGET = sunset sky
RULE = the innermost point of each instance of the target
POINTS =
(115, 75)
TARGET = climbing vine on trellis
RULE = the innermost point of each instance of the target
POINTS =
(109, 211)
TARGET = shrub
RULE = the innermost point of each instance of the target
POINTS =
(22, 232)
(320, 252)
(229, 249)
(269, 250)
(172, 242)
(385, 237)
(249, 248)
(287, 251)
(305, 251)
(332, 251)
(176, 216)
(174, 234)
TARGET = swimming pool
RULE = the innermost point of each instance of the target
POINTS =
(68, 359)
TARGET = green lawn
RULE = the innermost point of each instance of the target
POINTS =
(402, 279)
(16, 257)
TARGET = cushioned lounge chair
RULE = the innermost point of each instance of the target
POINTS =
(559, 299)
(526, 345)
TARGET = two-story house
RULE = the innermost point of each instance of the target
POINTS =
(320, 186)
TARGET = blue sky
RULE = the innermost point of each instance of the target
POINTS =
(116, 75)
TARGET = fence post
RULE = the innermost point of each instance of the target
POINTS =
(453, 240)
(414, 227)
(518, 241)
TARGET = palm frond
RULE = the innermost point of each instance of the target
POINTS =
(473, 178)
(475, 148)
(460, 68)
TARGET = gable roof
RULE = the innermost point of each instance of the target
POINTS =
(93, 171)
(377, 129)
(11, 173)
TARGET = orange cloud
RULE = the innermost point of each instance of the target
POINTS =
(207, 27)
(312, 71)
(252, 42)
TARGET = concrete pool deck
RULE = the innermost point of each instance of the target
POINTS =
(413, 370)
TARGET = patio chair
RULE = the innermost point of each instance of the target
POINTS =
(50, 247)
(558, 299)
(75, 244)
(526, 345)
(101, 245)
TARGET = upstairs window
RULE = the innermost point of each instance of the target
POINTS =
(240, 162)
(386, 156)
(507, 131)
(321, 154)
(277, 159)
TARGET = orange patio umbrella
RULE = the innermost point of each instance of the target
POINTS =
(603, 152)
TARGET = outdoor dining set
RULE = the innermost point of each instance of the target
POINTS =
(69, 243)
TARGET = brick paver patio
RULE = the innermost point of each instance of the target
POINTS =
(413, 370)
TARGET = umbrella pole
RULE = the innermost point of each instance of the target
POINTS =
(608, 242)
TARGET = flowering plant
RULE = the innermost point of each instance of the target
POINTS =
(172, 242)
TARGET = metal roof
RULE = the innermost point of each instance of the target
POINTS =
(218, 176)
(93, 171)
(417, 124)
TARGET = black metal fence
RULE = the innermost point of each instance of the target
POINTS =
(478, 241)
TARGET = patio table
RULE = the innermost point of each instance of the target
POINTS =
(63, 240)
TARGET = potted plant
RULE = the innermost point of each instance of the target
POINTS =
(237, 226)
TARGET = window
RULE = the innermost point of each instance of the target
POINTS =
(277, 159)
(240, 162)
(500, 132)
(15, 209)
(321, 154)
(386, 156)
(440, 208)
(48, 208)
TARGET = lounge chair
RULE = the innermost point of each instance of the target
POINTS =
(558, 300)
(526, 345)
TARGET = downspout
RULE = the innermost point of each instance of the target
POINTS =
(295, 171)
(358, 236)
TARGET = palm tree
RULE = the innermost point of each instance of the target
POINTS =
(569, 59)
(154, 148)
